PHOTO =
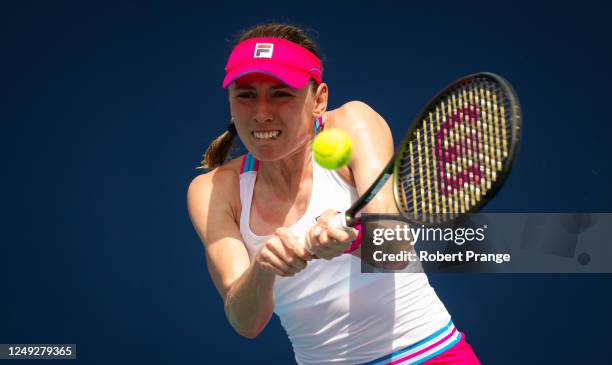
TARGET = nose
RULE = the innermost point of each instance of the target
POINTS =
(263, 109)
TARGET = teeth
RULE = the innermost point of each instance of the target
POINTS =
(266, 135)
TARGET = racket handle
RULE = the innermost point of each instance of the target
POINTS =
(339, 221)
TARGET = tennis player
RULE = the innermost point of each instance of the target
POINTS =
(250, 211)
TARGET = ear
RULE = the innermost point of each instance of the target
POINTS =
(320, 100)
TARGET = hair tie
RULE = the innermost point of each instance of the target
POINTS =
(232, 128)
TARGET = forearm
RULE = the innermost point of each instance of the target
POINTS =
(249, 303)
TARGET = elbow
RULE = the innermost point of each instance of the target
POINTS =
(246, 332)
(243, 329)
(250, 334)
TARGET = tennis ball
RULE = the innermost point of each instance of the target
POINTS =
(332, 148)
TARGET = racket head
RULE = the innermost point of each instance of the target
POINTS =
(459, 150)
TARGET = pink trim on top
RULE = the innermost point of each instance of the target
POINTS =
(357, 242)
(242, 164)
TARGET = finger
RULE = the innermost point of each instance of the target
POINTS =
(342, 235)
(292, 246)
(338, 241)
(263, 260)
(300, 252)
(288, 258)
(326, 216)
(291, 251)
(272, 269)
(323, 238)
(269, 256)
(329, 241)
(326, 248)
(312, 238)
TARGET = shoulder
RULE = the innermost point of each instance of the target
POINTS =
(356, 106)
(225, 175)
(355, 117)
(372, 141)
(361, 122)
(219, 187)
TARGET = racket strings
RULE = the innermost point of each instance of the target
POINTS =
(457, 154)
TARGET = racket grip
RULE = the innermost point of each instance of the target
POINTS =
(339, 221)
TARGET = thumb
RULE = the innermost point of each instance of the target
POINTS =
(326, 216)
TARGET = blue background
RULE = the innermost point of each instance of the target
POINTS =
(107, 108)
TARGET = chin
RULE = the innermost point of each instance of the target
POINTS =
(267, 153)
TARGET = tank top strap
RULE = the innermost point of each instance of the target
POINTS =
(250, 163)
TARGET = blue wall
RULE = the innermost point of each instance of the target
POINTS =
(106, 110)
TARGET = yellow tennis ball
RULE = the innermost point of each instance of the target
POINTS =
(332, 148)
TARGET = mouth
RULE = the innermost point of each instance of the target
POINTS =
(266, 135)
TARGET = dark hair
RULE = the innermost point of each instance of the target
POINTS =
(219, 149)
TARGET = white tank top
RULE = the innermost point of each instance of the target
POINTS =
(333, 313)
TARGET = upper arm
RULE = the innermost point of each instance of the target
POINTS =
(214, 220)
(372, 150)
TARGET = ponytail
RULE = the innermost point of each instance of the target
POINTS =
(219, 149)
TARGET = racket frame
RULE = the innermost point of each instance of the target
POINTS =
(514, 110)
(393, 166)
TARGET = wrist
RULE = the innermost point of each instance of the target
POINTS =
(357, 242)
(260, 274)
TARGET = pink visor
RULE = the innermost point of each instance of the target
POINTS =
(287, 61)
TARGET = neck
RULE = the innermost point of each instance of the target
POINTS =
(287, 174)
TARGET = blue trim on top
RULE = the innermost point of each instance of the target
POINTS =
(249, 163)
(402, 351)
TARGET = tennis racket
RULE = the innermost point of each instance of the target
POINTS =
(455, 157)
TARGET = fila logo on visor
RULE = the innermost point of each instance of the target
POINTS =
(263, 50)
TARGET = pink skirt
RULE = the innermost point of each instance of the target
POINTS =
(445, 346)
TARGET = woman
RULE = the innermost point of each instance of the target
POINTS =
(250, 211)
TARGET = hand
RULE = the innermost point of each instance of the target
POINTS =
(282, 254)
(328, 242)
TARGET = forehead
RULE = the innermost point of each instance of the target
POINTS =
(250, 80)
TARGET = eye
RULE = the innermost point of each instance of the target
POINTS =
(282, 93)
(245, 95)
